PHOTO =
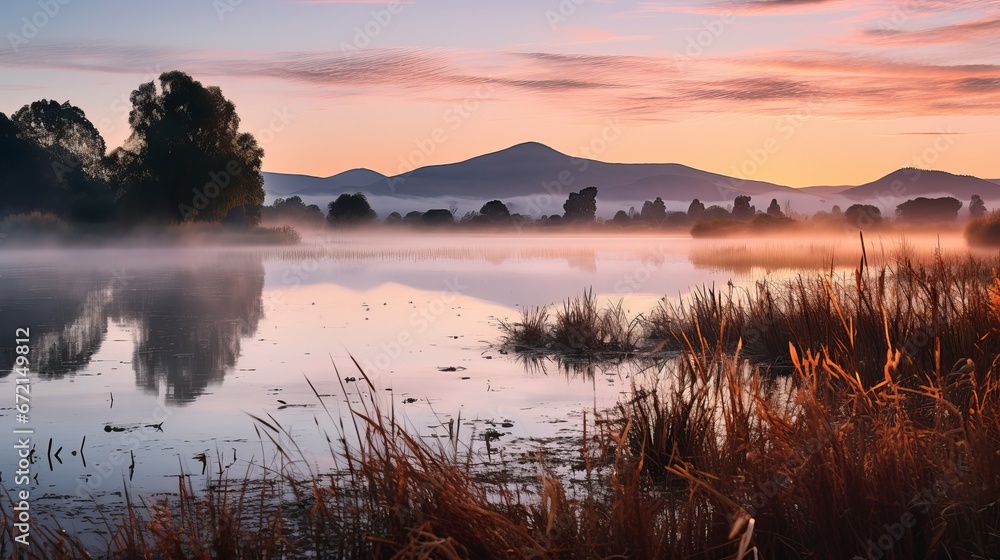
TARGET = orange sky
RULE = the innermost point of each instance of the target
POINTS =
(798, 93)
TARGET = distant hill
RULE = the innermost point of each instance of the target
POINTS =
(533, 168)
(521, 174)
(824, 190)
(283, 185)
(910, 183)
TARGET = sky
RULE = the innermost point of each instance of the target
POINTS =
(796, 92)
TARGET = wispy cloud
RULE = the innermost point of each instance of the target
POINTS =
(643, 87)
(987, 28)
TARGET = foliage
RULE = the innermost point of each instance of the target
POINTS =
(581, 207)
(351, 210)
(495, 211)
(929, 210)
(742, 209)
(985, 231)
(654, 212)
(50, 162)
(186, 159)
(863, 216)
(292, 210)
(438, 216)
(696, 209)
(774, 209)
(977, 208)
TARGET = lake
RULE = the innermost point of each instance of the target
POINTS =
(142, 359)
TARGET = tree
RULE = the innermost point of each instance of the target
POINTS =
(394, 218)
(696, 209)
(653, 212)
(774, 209)
(350, 210)
(742, 210)
(292, 209)
(51, 157)
(863, 216)
(581, 207)
(495, 211)
(64, 132)
(186, 158)
(977, 208)
(438, 216)
(929, 210)
(621, 219)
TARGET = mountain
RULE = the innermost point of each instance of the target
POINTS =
(532, 168)
(910, 183)
(283, 185)
(536, 179)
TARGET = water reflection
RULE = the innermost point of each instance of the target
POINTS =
(187, 322)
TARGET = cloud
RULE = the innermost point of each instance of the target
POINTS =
(965, 32)
(649, 88)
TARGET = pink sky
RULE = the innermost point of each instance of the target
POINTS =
(796, 92)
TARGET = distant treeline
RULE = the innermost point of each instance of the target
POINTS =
(580, 208)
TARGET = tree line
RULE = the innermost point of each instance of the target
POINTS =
(580, 208)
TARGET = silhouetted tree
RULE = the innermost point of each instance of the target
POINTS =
(653, 212)
(581, 207)
(50, 162)
(695, 209)
(836, 211)
(414, 217)
(350, 210)
(863, 216)
(714, 212)
(438, 216)
(25, 178)
(292, 209)
(64, 132)
(929, 210)
(186, 159)
(742, 210)
(977, 208)
(495, 211)
(394, 218)
(678, 220)
(774, 209)
(621, 219)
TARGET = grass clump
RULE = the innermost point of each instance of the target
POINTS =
(580, 328)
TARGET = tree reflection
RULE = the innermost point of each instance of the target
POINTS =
(187, 322)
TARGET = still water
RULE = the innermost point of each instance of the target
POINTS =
(143, 359)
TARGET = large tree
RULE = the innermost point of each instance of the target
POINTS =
(186, 159)
(63, 131)
(50, 161)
